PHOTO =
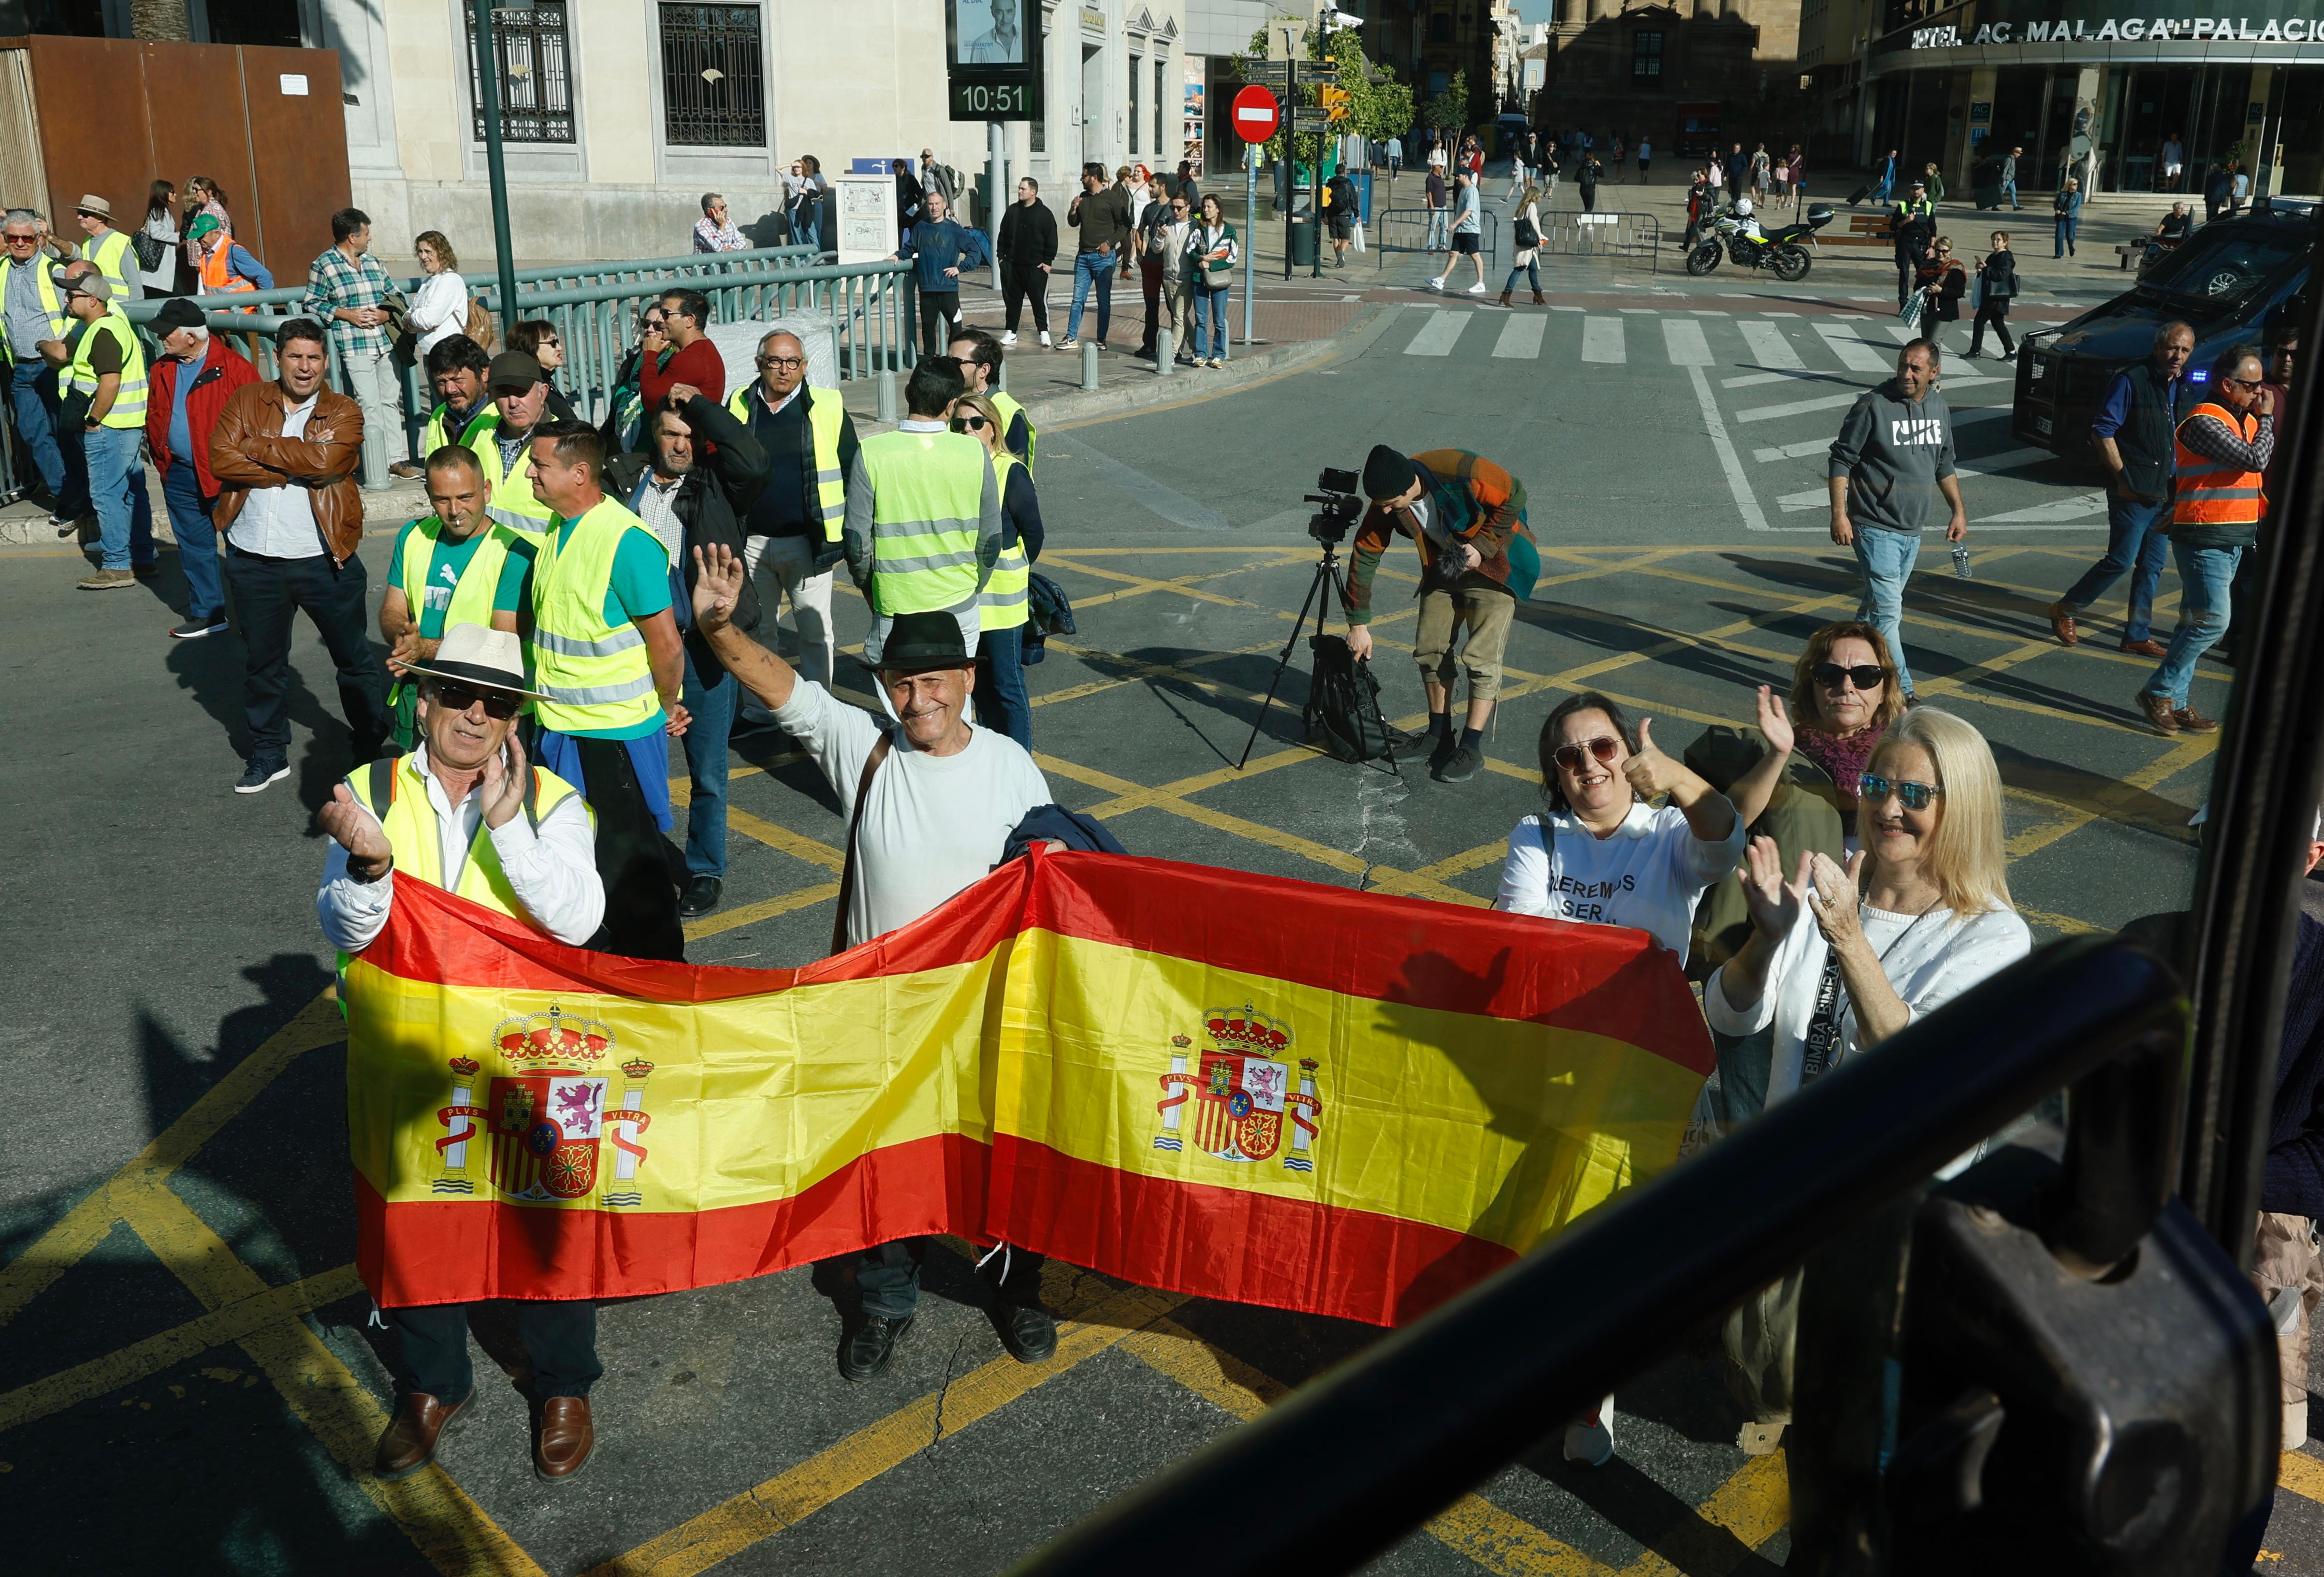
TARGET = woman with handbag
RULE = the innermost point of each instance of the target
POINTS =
(156, 242)
(1997, 279)
(1524, 230)
(1212, 253)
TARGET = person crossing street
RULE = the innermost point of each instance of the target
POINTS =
(2135, 435)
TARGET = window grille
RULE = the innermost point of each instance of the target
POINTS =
(534, 72)
(713, 89)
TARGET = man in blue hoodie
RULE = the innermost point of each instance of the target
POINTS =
(940, 247)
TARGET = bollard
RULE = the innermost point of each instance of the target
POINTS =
(888, 394)
(1089, 363)
(1166, 351)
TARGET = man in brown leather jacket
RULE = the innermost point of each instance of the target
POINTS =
(290, 516)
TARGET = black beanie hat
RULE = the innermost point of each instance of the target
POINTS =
(1388, 474)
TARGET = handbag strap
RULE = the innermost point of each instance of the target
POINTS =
(854, 823)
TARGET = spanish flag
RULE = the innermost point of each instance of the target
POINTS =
(1194, 1079)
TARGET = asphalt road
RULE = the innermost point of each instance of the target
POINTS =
(185, 1373)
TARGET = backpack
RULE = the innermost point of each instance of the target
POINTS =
(1344, 710)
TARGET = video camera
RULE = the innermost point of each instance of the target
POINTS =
(1341, 505)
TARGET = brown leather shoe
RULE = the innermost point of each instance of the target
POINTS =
(2150, 646)
(2062, 624)
(2159, 715)
(2191, 721)
(409, 1443)
(561, 1446)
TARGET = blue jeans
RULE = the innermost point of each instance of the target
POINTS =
(2133, 544)
(56, 455)
(1881, 189)
(1531, 271)
(1092, 270)
(116, 485)
(1887, 557)
(1440, 229)
(198, 549)
(712, 708)
(2009, 191)
(2066, 228)
(2205, 578)
(1001, 702)
(1210, 322)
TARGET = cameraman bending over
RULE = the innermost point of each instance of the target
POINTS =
(1478, 563)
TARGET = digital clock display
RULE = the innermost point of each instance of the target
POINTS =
(975, 100)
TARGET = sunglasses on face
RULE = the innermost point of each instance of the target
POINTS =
(782, 361)
(499, 704)
(968, 424)
(1863, 676)
(1570, 757)
(1872, 789)
(552, 345)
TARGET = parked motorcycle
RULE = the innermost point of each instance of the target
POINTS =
(1736, 236)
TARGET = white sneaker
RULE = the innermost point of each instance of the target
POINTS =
(1045, 340)
(1009, 336)
(1590, 1440)
(1437, 283)
(1478, 288)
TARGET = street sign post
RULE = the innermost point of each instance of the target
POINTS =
(1256, 116)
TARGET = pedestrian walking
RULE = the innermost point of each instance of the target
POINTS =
(940, 249)
(694, 359)
(2135, 434)
(610, 667)
(467, 811)
(930, 802)
(348, 289)
(2224, 447)
(1996, 282)
(284, 452)
(1645, 158)
(1433, 197)
(923, 527)
(2066, 209)
(32, 312)
(714, 232)
(1739, 170)
(1943, 282)
(792, 532)
(1714, 175)
(2009, 176)
(979, 355)
(1889, 469)
(1934, 179)
(1212, 253)
(1760, 165)
(1027, 248)
(191, 382)
(1620, 152)
(2174, 162)
(108, 249)
(1341, 212)
(1586, 179)
(1884, 181)
(1004, 603)
(451, 567)
(1912, 230)
(105, 398)
(1517, 171)
(157, 239)
(1175, 236)
(1468, 240)
(694, 487)
(1466, 516)
(1101, 218)
(1524, 235)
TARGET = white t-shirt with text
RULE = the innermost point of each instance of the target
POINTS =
(1647, 874)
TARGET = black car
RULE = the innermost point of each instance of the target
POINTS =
(2238, 281)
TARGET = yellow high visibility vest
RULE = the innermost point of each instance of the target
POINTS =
(438, 431)
(1002, 604)
(595, 677)
(825, 412)
(471, 599)
(52, 303)
(1006, 405)
(395, 790)
(508, 497)
(114, 260)
(129, 402)
(927, 513)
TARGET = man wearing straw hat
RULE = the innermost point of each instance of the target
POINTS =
(109, 250)
(468, 813)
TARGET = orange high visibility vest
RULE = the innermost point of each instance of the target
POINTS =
(2212, 492)
(218, 277)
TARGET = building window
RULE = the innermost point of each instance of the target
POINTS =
(714, 90)
(1161, 108)
(1137, 67)
(1440, 28)
(534, 71)
(1645, 56)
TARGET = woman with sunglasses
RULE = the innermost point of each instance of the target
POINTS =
(1004, 605)
(544, 342)
(1844, 695)
(625, 421)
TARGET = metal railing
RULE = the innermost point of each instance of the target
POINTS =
(1384, 1442)
(1409, 230)
(1568, 233)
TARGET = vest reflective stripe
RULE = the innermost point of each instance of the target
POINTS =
(438, 432)
(1004, 602)
(825, 411)
(595, 677)
(409, 819)
(1006, 405)
(128, 408)
(508, 498)
(52, 303)
(2212, 492)
(219, 277)
(115, 262)
(928, 515)
(471, 598)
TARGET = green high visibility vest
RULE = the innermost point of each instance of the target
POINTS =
(1003, 604)
(825, 412)
(1005, 404)
(129, 402)
(52, 303)
(117, 263)
(595, 675)
(508, 496)
(927, 490)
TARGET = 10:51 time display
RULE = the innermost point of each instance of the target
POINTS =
(992, 101)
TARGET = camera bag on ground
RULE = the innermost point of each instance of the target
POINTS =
(1344, 710)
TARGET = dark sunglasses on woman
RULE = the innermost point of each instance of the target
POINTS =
(1866, 676)
(1872, 789)
(1569, 756)
(968, 424)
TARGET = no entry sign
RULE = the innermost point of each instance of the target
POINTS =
(1255, 114)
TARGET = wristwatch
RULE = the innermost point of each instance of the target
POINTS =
(382, 872)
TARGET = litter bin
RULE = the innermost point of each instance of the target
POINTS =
(1303, 243)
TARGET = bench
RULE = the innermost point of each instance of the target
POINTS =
(2129, 251)
(1863, 230)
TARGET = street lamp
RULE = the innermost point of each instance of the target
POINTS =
(488, 103)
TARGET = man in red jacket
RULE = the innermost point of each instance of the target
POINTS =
(189, 385)
(686, 321)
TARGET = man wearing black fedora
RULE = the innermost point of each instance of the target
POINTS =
(930, 804)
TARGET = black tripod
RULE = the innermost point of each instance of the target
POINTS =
(1325, 579)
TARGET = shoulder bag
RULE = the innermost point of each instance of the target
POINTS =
(855, 825)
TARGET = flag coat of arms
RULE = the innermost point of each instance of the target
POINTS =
(1196, 1079)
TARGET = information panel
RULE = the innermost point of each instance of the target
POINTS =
(992, 59)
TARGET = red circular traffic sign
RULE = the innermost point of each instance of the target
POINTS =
(1255, 114)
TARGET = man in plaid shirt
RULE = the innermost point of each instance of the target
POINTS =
(349, 289)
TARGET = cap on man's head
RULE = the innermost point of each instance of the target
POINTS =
(176, 313)
(202, 225)
(1919, 182)
(92, 283)
(512, 372)
(1387, 474)
(920, 641)
(94, 206)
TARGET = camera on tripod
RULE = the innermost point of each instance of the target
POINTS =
(1341, 505)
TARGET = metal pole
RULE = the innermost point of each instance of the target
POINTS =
(997, 155)
(488, 104)
(1315, 206)
(1249, 233)
(1290, 152)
